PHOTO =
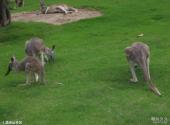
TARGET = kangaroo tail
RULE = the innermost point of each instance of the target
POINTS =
(147, 78)
(153, 88)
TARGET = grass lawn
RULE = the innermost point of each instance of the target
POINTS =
(91, 66)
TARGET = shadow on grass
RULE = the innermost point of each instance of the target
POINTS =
(118, 78)
(19, 31)
(5, 111)
(157, 17)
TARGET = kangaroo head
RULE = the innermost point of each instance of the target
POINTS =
(50, 53)
(128, 51)
(12, 65)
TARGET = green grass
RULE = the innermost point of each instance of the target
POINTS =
(91, 65)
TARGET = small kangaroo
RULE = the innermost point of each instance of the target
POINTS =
(31, 66)
(35, 47)
(138, 54)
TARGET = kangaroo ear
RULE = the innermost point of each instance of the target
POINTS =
(53, 47)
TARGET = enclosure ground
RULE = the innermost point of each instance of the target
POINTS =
(57, 18)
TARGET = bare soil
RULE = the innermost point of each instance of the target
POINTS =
(57, 18)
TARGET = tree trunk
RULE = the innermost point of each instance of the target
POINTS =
(5, 16)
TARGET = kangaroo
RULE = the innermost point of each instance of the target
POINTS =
(35, 47)
(31, 66)
(19, 3)
(63, 8)
(138, 54)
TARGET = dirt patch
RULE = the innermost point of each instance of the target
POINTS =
(57, 18)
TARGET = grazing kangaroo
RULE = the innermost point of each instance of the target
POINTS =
(63, 8)
(138, 54)
(35, 47)
(31, 66)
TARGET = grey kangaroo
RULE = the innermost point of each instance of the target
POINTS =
(31, 66)
(138, 54)
(19, 3)
(56, 8)
(35, 47)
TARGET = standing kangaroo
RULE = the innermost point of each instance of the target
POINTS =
(19, 3)
(138, 54)
(35, 47)
(31, 66)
